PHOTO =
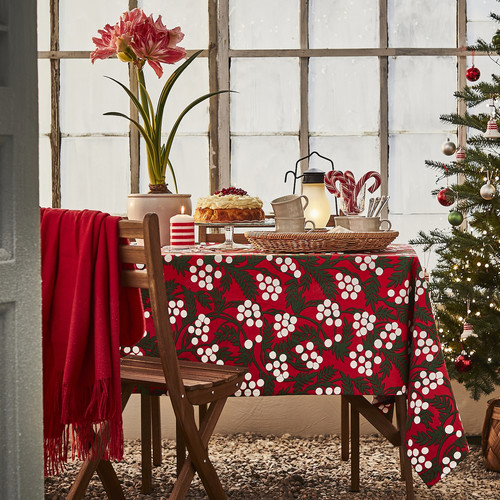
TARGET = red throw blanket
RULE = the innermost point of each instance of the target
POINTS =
(86, 316)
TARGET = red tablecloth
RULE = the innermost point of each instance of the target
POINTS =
(321, 324)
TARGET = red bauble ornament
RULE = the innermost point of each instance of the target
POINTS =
(446, 197)
(463, 362)
(472, 74)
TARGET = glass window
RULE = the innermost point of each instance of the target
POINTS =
(344, 24)
(264, 24)
(422, 23)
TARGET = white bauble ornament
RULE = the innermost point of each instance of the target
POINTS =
(487, 191)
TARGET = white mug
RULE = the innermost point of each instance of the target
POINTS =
(289, 206)
(293, 224)
(362, 224)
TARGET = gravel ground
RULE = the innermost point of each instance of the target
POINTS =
(255, 467)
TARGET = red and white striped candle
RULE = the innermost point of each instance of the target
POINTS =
(182, 230)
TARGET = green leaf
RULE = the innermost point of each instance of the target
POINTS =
(227, 332)
(372, 291)
(429, 438)
(400, 273)
(181, 264)
(243, 279)
(188, 108)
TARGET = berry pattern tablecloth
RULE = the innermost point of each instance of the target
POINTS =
(321, 324)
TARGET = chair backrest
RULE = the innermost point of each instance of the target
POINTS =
(147, 251)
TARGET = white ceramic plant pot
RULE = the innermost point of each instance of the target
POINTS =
(165, 205)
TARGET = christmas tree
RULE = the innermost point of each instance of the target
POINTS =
(464, 285)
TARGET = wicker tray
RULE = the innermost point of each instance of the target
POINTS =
(271, 242)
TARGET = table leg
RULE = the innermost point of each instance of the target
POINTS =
(344, 428)
(405, 462)
(354, 449)
(156, 429)
(147, 474)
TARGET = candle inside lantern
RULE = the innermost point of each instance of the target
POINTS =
(182, 230)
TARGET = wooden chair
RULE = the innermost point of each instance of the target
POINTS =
(150, 404)
(395, 435)
(189, 383)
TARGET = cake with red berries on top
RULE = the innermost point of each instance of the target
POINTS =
(229, 205)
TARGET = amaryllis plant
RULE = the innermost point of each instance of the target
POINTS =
(139, 39)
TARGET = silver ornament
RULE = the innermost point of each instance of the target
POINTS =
(448, 148)
(487, 191)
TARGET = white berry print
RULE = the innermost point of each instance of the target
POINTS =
(250, 387)
(288, 266)
(270, 287)
(426, 345)
(330, 312)
(209, 354)
(250, 314)
(204, 275)
(199, 329)
(309, 355)
(364, 361)
(402, 295)
(176, 309)
(388, 336)
(278, 366)
(363, 323)
(348, 285)
(369, 262)
(284, 324)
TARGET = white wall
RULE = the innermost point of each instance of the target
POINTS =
(296, 415)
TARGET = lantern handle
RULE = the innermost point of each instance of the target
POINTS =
(297, 166)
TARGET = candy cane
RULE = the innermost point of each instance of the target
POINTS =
(349, 192)
(331, 178)
(362, 181)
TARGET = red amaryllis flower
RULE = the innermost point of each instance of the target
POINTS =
(140, 38)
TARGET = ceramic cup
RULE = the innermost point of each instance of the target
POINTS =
(293, 224)
(290, 206)
(361, 224)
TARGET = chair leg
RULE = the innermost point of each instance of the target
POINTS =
(205, 469)
(180, 447)
(103, 467)
(354, 449)
(156, 429)
(401, 413)
(344, 428)
(147, 474)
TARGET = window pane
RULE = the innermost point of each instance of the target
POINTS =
(422, 23)
(410, 180)
(44, 104)
(479, 10)
(79, 21)
(409, 226)
(189, 156)
(343, 24)
(44, 172)
(193, 83)
(259, 164)
(420, 90)
(264, 24)
(344, 95)
(95, 173)
(86, 94)
(268, 95)
(190, 15)
(43, 24)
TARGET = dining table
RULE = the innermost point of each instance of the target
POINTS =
(327, 323)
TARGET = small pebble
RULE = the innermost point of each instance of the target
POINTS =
(255, 467)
